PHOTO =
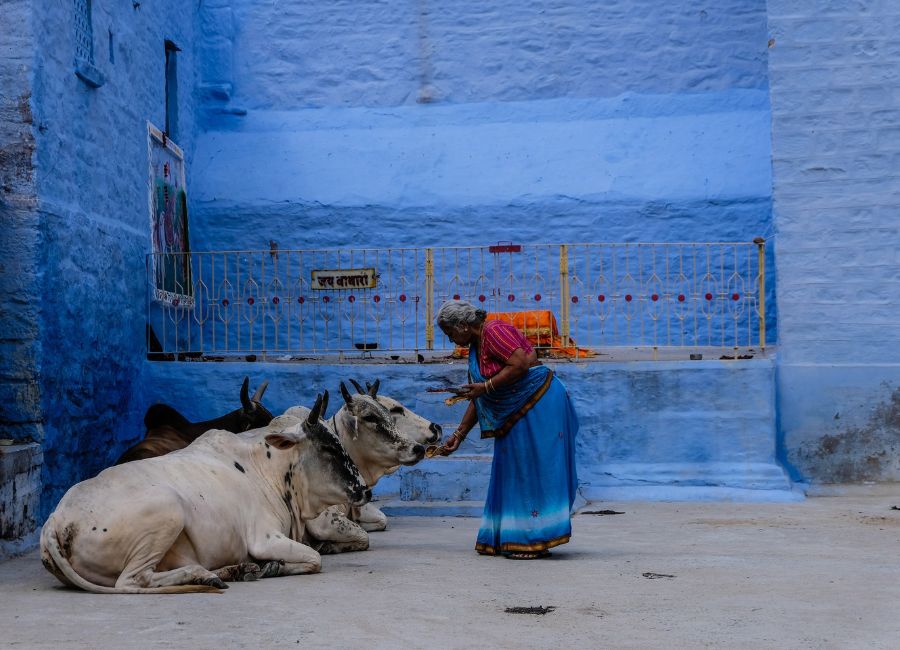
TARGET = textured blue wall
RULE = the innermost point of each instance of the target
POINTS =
(637, 120)
(836, 145)
(91, 172)
(20, 271)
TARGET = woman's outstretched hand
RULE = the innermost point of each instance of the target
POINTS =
(452, 443)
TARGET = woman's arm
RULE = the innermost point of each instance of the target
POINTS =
(514, 369)
(468, 421)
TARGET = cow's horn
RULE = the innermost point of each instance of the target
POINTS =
(324, 413)
(346, 394)
(245, 395)
(257, 396)
(359, 389)
(373, 389)
(313, 416)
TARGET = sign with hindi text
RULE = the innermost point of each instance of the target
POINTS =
(332, 279)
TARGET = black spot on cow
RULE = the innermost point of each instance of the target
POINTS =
(94, 528)
(266, 444)
(238, 465)
(66, 539)
(268, 453)
(287, 478)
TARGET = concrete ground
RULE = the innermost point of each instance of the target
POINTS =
(823, 573)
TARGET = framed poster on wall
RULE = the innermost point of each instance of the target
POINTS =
(170, 258)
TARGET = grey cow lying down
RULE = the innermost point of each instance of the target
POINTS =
(371, 428)
(226, 507)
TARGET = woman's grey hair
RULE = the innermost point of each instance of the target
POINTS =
(459, 314)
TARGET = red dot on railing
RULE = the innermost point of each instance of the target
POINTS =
(326, 299)
(680, 297)
(654, 297)
(276, 300)
(176, 302)
(376, 298)
(456, 296)
(481, 298)
(510, 297)
(601, 298)
(351, 299)
(735, 296)
(537, 297)
(708, 296)
(627, 297)
(250, 300)
(225, 302)
(301, 300)
(402, 297)
(574, 299)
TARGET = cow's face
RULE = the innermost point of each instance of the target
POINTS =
(333, 476)
(409, 424)
(370, 429)
(330, 476)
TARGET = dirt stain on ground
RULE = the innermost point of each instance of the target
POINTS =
(537, 611)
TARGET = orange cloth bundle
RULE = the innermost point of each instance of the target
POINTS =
(540, 328)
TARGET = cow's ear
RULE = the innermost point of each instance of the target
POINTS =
(282, 440)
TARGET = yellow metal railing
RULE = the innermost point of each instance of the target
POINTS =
(583, 297)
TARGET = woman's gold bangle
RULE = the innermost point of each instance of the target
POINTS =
(459, 436)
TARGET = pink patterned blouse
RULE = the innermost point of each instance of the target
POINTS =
(498, 341)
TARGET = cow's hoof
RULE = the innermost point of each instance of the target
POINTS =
(270, 569)
(214, 581)
(247, 572)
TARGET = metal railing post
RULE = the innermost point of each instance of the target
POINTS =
(429, 299)
(761, 251)
(564, 293)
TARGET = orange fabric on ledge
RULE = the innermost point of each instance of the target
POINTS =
(540, 328)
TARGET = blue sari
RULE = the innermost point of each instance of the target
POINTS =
(533, 480)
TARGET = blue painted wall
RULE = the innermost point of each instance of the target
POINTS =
(349, 123)
(92, 221)
(19, 237)
(835, 149)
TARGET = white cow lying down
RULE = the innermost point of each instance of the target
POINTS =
(368, 426)
(189, 520)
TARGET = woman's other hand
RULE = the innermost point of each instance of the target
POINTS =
(474, 390)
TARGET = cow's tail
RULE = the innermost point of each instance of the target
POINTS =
(56, 563)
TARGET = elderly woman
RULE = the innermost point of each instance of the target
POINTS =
(521, 404)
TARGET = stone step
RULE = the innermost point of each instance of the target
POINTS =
(449, 478)
(400, 508)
